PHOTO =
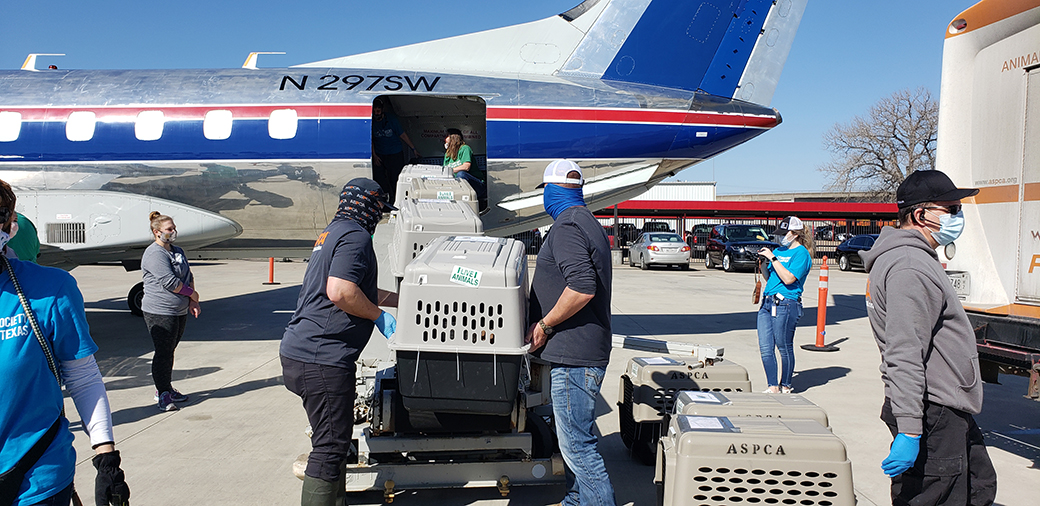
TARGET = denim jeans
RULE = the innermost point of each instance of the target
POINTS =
(477, 184)
(777, 332)
(574, 392)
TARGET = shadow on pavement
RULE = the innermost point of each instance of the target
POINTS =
(719, 323)
(804, 380)
(1009, 420)
(137, 413)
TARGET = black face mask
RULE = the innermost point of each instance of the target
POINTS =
(361, 206)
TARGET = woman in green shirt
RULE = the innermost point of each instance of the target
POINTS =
(458, 157)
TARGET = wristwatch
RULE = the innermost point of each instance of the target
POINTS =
(546, 329)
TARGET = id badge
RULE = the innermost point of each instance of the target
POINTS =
(774, 310)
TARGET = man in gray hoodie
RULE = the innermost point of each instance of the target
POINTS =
(929, 362)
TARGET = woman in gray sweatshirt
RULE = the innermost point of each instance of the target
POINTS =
(169, 295)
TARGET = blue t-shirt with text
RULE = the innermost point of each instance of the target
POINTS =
(30, 398)
(798, 262)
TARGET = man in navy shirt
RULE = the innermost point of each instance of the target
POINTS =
(338, 306)
(388, 140)
(570, 303)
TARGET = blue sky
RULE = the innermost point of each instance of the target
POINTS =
(846, 56)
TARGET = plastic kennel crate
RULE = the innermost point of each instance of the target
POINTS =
(746, 404)
(460, 326)
(410, 172)
(707, 460)
(444, 189)
(648, 390)
(417, 222)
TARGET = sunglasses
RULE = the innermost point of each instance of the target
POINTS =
(951, 209)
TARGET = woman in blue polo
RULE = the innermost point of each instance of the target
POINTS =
(786, 268)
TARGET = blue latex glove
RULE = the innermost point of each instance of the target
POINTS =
(902, 456)
(387, 324)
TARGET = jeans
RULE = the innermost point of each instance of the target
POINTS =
(477, 184)
(328, 397)
(574, 392)
(778, 332)
(387, 173)
(953, 466)
(166, 332)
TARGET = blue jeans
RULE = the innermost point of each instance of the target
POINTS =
(777, 332)
(477, 184)
(574, 392)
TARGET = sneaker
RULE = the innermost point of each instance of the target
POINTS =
(175, 396)
(770, 391)
(786, 390)
(166, 402)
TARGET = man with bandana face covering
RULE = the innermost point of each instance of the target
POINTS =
(570, 305)
(337, 309)
(929, 361)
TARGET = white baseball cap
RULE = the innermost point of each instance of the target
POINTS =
(789, 223)
(556, 173)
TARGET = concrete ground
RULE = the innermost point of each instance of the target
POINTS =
(236, 439)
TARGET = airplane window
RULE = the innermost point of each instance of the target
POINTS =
(149, 125)
(282, 124)
(217, 125)
(80, 126)
(10, 125)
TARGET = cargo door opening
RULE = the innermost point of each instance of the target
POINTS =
(425, 122)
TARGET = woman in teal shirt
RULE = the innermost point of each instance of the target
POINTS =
(458, 157)
(786, 268)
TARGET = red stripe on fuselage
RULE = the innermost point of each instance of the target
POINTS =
(354, 111)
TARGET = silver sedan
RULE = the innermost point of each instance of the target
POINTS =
(659, 248)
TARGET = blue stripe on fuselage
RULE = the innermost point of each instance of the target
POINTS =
(336, 139)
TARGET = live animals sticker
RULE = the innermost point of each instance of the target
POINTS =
(464, 276)
(445, 195)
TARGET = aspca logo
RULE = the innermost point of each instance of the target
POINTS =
(679, 375)
(755, 449)
(320, 241)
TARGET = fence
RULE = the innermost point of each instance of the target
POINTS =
(827, 234)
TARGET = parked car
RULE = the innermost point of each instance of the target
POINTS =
(626, 231)
(848, 251)
(532, 240)
(656, 226)
(830, 233)
(659, 248)
(736, 246)
(697, 239)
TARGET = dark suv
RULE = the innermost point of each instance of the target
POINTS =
(736, 246)
(697, 239)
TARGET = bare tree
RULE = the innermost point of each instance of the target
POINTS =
(874, 154)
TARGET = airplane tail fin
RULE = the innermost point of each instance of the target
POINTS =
(729, 48)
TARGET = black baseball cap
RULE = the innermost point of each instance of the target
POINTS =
(789, 223)
(371, 186)
(929, 186)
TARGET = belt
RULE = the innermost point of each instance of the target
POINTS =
(777, 298)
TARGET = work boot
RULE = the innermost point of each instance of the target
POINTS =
(318, 492)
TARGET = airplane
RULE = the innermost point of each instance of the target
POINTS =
(250, 161)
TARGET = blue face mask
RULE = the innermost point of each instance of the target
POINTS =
(556, 199)
(950, 228)
(787, 240)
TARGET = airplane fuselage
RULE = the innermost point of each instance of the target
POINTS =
(271, 148)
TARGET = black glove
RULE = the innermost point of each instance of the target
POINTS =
(110, 486)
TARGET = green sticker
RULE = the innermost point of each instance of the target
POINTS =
(464, 276)
(445, 195)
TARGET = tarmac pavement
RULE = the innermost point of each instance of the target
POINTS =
(234, 442)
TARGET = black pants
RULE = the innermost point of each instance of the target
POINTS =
(387, 173)
(953, 466)
(328, 397)
(166, 332)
